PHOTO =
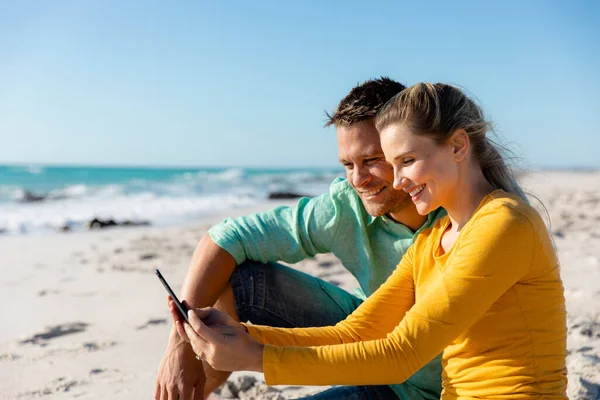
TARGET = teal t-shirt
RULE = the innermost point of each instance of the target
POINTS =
(337, 222)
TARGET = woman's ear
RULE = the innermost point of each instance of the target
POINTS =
(460, 143)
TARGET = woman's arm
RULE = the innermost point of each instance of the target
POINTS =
(496, 252)
(373, 319)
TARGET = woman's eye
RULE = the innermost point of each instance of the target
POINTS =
(407, 161)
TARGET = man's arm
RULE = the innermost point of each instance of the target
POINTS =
(284, 233)
(208, 274)
(180, 374)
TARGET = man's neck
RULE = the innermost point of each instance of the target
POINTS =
(409, 217)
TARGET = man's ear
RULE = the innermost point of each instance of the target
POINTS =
(460, 143)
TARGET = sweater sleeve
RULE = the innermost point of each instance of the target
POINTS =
(373, 319)
(490, 256)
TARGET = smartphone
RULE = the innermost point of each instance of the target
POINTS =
(180, 307)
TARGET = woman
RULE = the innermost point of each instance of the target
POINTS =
(482, 285)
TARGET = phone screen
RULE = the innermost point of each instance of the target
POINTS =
(182, 309)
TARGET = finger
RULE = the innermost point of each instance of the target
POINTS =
(173, 392)
(186, 305)
(203, 312)
(157, 389)
(181, 331)
(195, 339)
(164, 395)
(186, 392)
(175, 312)
(200, 328)
(199, 392)
(199, 345)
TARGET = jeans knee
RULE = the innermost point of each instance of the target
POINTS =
(248, 283)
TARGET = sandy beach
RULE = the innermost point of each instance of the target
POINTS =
(83, 315)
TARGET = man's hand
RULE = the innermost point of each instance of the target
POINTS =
(180, 375)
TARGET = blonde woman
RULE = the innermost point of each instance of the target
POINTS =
(482, 285)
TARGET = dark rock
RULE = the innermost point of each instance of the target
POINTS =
(97, 223)
(30, 197)
(285, 195)
(65, 228)
(134, 223)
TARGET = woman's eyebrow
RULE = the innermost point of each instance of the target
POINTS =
(402, 155)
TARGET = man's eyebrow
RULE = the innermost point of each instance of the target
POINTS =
(371, 155)
(363, 156)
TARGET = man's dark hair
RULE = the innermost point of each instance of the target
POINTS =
(364, 101)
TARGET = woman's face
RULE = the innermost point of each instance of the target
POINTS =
(424, 169)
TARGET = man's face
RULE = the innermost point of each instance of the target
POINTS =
(367, 171)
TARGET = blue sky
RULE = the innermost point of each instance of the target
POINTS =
(240, 83)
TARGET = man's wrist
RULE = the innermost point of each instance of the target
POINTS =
(177, 341)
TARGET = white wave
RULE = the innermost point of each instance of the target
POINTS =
(11, 192)
(18, 218)
(32, 169)
(69, 191)
(180, 198)
(35, 169)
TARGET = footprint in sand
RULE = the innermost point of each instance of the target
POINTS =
(161, 321)
(60, 385)
(54, 332)
(76, 350)
(9, 357)
(43, 293)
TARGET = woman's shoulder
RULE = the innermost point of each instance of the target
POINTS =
(504, 206)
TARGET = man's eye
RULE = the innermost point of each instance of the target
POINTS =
(371, 161)
(407, 161)
(347, 166)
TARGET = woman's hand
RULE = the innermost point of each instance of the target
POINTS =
(219, 340)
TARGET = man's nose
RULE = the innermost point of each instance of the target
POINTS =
(360, 177)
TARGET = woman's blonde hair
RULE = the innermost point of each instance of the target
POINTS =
(438, 110)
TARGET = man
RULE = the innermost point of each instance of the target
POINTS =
(362, 220)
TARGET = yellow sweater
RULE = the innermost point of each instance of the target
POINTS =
(493, 303)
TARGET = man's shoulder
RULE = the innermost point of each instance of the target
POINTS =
(341, 203)
(342, 187)
(344, 195)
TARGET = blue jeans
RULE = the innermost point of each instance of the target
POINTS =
(275, 295)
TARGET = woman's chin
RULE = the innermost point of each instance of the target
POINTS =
(423, 208)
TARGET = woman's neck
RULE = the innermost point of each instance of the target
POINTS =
(469, 193)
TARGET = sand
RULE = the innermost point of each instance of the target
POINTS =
(83, 315)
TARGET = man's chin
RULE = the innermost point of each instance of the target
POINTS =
(378, 209)
(375, 209)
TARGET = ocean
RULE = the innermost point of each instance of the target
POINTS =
(42, 199)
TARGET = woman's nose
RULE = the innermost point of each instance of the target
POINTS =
(400, 182)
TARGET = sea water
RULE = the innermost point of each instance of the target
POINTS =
(37, 198)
